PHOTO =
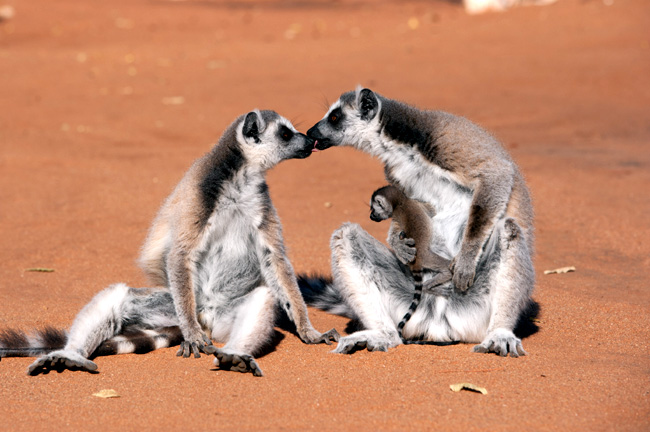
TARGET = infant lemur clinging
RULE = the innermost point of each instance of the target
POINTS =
(412, 220)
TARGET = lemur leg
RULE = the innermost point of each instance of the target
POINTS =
(251, 326)
(103, 317)
(375, 285)
(513, 285)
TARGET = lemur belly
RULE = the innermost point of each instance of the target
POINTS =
(426, 182)
(227, 267)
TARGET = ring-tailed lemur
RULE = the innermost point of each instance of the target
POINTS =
(483, 222)
(216, 254)
(412, 219)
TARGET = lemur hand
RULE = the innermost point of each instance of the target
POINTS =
(195, 345)
(463, 269)
(313, 336)
(404, 248)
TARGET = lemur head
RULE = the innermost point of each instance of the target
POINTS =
(351, 120)
(383, 202)
(267, 139)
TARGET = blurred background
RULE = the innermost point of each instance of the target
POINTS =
(105, 104)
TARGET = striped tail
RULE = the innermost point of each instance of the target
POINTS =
(140, 341)
(417, 296)
(16, 343)
(19, 344)
(320, 292)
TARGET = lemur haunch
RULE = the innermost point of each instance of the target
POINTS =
(483, 222)
(216, 256)
(412, 220)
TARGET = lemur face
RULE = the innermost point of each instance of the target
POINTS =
(380, 207)
(349, 121)
(268, 138)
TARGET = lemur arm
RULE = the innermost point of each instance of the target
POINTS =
(280, 277)
(180, 284)
(489, 202)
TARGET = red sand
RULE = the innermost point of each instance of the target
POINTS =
(92, 143)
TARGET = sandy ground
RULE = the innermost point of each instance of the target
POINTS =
(105, 104)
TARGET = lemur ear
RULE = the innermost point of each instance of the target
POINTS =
(253, 125)
(384, 203)
(368, 104)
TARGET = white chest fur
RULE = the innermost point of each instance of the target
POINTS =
(230, 239)
(423, 181)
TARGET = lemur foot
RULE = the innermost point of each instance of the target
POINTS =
(502, 342)
(353, 343)
(60, 360)
(436, 288)
(201, 344)
(463, 270)
(236, 362)
(314, 337)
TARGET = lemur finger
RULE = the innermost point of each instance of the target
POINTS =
(333, 335)
(256, 370)
(329, 336)
(195, 350)
(180, 350)
(185, 350)
(36, 367)
(209, 349)
(378, 347)
(520, 349)
(479, 349)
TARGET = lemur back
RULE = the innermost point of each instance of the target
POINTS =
(413, 221)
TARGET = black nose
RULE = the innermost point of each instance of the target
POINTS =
(314, 133)
(309, 140)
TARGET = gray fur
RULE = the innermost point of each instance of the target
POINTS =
(480, 200)
(216, 256)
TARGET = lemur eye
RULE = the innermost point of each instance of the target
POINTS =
(335, 116)
(285, 133)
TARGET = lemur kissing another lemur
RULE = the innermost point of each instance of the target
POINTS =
(483, 223)
(216, 258)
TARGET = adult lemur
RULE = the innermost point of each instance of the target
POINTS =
(216, 256)
(413, 220)
(483, 223)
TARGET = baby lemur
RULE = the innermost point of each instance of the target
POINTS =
(412, 220)
(216, 258)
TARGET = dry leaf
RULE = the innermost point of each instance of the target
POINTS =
(106, 393)
(560, 270)
(40, 269)
(467, 386)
